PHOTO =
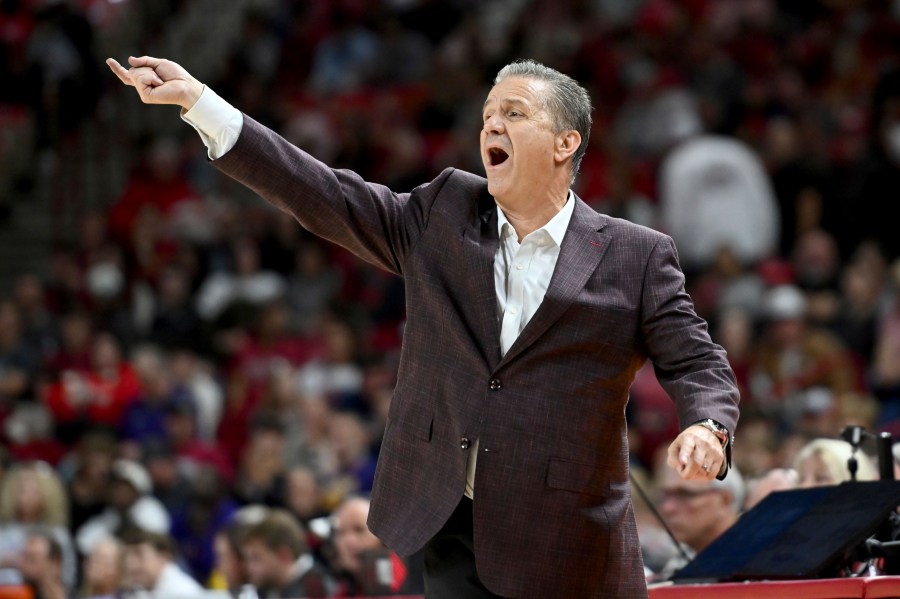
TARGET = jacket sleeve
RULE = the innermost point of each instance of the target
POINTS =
(370, 220)
(692, 369)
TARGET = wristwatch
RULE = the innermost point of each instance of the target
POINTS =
(715, 428)
(722, 435)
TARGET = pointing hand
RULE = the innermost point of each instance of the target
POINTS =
(158, 81)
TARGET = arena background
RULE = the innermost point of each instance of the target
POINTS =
(151, 309)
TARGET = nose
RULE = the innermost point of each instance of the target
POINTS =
(494, 124)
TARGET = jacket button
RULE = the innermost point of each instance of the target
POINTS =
(495, 384)
(464, 443)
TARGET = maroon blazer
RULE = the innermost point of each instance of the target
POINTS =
(552, 510)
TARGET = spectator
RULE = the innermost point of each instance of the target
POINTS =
(168, 475)
(699, 511)
(792, 356)
(206, 509)
(150, 566)
(192, 452)
(17, 364)
(337, 374)
(715, 193)
(366, 567)
(313, 285)
(98, 397)
(145, 418)
(861, 299)
(193, 373)
(130, 505)
(230, 572)
(260, 477)
(103, 570)
(885, 373)
(307, 440)
(41, 567)
(175, 322)
(33, 500)
(278, 562)
(39, 331)
(92, 463)
(346, 59)
(156, 185)
(760, 442)
(76, 339)
(303, 495)
(776, 479)
(247, 286)
(817, 265)
(827, 462)
(354, 463)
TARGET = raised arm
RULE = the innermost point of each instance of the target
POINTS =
(159, 81)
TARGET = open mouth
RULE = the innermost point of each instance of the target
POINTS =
(496, 156)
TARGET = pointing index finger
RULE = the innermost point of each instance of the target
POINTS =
(120, 71)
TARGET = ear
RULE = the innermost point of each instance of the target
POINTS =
(567, 142)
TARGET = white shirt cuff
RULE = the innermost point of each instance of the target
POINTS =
(218, 122)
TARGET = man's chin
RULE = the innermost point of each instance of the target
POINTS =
(495, 187)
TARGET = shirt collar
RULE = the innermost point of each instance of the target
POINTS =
(555, 227)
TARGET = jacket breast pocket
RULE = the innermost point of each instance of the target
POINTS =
(577, 477)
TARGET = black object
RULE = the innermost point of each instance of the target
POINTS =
(805, 533)
(885, 445)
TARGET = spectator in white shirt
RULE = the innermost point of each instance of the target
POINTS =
(150, 567)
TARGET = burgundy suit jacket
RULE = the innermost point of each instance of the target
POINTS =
(552, 510)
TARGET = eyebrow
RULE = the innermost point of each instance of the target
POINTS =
(508, 101)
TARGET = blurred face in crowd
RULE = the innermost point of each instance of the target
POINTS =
(9, 325)
(777, 479)
(121, 494)
(694, 510)
(76, 333)
(103, 568)
(143, 565)
(30, 499)
(517, 141)
(814, 472)
(105, 352)
(351, 535)
(36, 561)
(228, 562)
(302, 492)
(266, 567)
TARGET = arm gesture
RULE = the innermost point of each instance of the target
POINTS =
(158, 81)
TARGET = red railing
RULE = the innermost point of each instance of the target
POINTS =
(881, 587)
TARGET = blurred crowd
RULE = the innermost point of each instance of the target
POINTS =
(194, 392)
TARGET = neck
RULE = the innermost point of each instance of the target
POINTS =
(528, 216)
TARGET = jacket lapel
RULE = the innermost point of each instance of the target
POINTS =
(582, 250)
(482, 241)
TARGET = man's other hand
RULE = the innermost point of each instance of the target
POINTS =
(696, 454)
(158, 81)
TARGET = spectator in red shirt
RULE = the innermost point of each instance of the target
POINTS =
(98, 396)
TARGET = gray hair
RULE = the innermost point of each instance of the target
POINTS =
(733, 484)
(568, 103)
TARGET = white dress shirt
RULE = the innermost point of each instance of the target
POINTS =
(522, 271)
(522, 274)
